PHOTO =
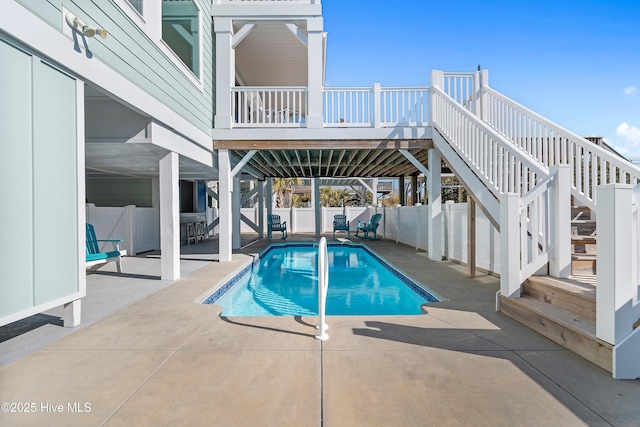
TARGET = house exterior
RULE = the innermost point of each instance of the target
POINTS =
(134, 110)
(233, 90)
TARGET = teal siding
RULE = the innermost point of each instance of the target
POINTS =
(133, 54)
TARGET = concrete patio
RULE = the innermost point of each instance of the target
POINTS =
(161, 358)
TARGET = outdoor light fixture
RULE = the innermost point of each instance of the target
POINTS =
(80, 26)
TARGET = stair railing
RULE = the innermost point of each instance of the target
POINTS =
(549, 144)
(528, 216)
(501, 165)
(323, 286)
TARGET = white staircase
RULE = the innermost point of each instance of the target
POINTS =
(523, 171)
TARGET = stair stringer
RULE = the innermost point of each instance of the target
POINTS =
(482, 195)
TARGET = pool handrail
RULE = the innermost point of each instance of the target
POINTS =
(323, 286)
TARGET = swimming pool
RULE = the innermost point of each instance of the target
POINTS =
(283, 282)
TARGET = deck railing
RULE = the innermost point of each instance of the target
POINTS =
(400, 106)
(462, 87)
(376, 107)
(353, 107)
(269, 106)
(550, 144)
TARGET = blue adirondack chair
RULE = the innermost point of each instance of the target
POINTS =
(274, 224)
(369, 227)
(96, 259)
(340, 223)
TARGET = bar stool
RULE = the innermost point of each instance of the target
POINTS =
(191, 233)
(205, 231)
(199, 234)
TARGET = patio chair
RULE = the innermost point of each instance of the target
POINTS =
(274, 224)
(340, 223)
(96, 259)
(369, 227)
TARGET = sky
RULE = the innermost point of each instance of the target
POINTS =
(575, 62)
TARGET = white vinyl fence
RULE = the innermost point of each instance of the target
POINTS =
(139, 228)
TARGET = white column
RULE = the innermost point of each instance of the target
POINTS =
(269, 196)
(261, 209)
(315, 67)
(560, 264)
(434, 224)
(225, 71)
(374, 191)
(155, 204)
(510, 245)
(614, 293)
(169, 217)
(236, 204)
(225, 184)
(316, 205)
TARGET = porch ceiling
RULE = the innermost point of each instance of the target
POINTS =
(271, 56)
(333, 162)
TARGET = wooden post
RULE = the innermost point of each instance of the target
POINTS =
(471, 237)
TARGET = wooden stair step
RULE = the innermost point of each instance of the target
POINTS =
(583, 264)
(572, 332)
(575, 297)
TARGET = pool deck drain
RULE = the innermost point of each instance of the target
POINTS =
(168, 360)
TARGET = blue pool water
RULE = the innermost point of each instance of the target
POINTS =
(284, 283)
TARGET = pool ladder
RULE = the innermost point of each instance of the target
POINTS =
(323, 286)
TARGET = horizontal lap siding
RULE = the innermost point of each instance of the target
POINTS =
(133, 54)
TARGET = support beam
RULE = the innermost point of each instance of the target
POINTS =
(224, 197)
(471, 237)
(414, 190)
(225, 72)
(236, 204)
(401, 192)
(415, 162)
(315, 69)
(298, 33)
(269, 196)
(260, 187)
(434, 190)
(241, 34)
(169, 217)
(242, 163)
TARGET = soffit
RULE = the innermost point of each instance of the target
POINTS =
(271, 55)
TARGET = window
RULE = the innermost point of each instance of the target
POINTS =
(180, 31)
(137, 5)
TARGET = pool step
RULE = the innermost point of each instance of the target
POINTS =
(562, 310)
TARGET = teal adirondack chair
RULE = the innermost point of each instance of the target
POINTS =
(340, 223)
(95, 259)
(369, 227)
(274, 224)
